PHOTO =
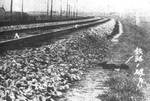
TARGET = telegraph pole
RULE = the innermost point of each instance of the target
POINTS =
(22, 7)
(61, 11)
(76, 8)
(67, 9)
(47, 8)
(51, 9)
(11, 11)
(22, 10)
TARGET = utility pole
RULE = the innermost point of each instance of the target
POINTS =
(61, 11)
(22, 10)
(71, 10)
(22, 7)
(67, 9)
(47, 8)
(51, 9)
(11, 11)
(70, 7)
(76, 8)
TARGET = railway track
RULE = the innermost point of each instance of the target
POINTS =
(46, 34)
(8, 32)
(44, 25)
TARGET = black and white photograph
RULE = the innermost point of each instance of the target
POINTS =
(74, 50)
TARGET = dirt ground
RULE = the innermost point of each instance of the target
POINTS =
(88, 88)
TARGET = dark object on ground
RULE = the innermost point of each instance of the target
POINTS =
(108, 66)
(104, 65)
(124, 66)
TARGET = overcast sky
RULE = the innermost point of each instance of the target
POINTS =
(84, 5)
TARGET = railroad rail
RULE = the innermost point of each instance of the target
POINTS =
(44, 25)
(32, 40)
(8, 32)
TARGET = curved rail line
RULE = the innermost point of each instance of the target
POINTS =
(31, 40)
(44, 25)
(8, 32)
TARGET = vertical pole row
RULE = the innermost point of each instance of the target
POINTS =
(71, 9)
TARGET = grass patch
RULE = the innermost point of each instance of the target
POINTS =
(122, 88)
